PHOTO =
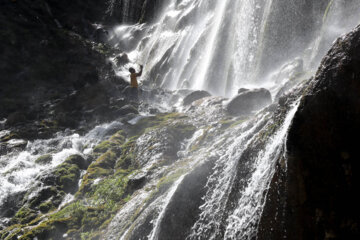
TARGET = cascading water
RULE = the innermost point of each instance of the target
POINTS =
(193, 43)
(218, 46)
(19, 168)
(221, 46)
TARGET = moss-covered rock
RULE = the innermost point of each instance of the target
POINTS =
(113, 143)
(78, 161)
(24, 215)
(43, 195)
(67, 176)
(110, 181)
(46, 207)
(43, 160)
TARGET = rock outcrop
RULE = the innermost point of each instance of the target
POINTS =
(194, 96)
(53, 65)
(316, 196)
(248, 101)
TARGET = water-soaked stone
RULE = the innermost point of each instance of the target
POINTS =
(183, 209)
(194, 96)
(316, 196)
(249, 101)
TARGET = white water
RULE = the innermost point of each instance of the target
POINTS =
(19, 169)
(249, 207)
(199, 44)
(218, 45)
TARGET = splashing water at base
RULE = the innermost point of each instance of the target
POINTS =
(19, 168)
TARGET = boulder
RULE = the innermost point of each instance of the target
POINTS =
(248, 101)
(15, 118)
(241, 90)
(127, 109)
(122, 59)
(43, 160)
(316, 196)
(78, 161)
(194, 96)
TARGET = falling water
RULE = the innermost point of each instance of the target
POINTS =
(193, 43)
(220, 46)
(212, 45)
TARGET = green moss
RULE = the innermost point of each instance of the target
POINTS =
(24, 215)
(96, 204)
(127, 158)
(46, 207)
(103, 147)
(147, 124)
(11, 233)
(49, 124)
(67, 176)
(182, 130)
(10, 136)
(111, 189)
(52, 229)
(111, 144)
(45, 159)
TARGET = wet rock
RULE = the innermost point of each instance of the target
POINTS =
(127, 109)
(77, 160)
(43, 160)
(153, 111)
(11, 204)
(248, 101)
(19, 144)
(101, 35)
(317, 197)
(131, 93)
(122, 59)
(15, 118)
(183, 210)
(194, 96)
(241, 90)
(43, 195)
(136, 182)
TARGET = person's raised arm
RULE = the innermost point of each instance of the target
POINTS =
(141, 70)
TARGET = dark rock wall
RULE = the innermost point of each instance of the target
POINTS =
(50, 49)
(316, 198)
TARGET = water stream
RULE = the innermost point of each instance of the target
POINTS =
(217, 46)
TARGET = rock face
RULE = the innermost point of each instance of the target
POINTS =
(248, 100)
(194, 96)
(317, 198)
(61, 76)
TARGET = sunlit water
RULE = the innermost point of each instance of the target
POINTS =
(218, 45)
(19, 169)
(208, 45)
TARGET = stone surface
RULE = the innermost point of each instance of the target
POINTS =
(248, 101)
(194, 96)
(317, 197)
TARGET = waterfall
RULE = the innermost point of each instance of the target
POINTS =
(213, 184)
(194, 41)
(220, 46)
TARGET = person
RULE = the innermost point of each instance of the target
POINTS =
(134, 75)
